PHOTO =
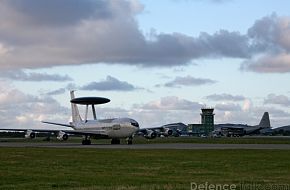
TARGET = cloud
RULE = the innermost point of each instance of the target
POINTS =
(110, 84)
(171, 103)
(271, 33)
(65, 12)
(3, 50)
(166, 110)
(247, 105)
(271, 63)
(188, 81)
(56, 92)
(277, 99)
(225, 97)
(20, 110)
(228, 107)
(74, 32)
(86, 31)
(271, 41)
(32, 76)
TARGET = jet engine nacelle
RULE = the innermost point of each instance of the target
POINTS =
(150, 134)
(30, 134)
(62, 136)
(167, 132)
(177, 133)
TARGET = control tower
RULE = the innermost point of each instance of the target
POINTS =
(207, 120)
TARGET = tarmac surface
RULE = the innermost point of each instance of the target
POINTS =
(182, 146)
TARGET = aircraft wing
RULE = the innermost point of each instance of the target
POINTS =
(35, 130)
(60, 124)
(233, 128)
(31, 133)
(94, 134)
(158, 129)
(253, 130)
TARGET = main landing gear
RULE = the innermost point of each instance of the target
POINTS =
(129, 140)
(115, 141)
(86, 140)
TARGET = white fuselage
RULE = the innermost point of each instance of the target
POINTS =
(113, 128)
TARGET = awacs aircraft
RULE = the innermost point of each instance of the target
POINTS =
(241, 130)
(113, 129)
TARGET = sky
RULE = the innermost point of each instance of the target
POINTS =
(159, 61)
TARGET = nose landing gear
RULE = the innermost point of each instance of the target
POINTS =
(129, 140)
(115, 141)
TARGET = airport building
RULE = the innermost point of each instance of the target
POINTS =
(206, 126)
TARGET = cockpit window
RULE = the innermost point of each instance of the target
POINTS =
(135, 124)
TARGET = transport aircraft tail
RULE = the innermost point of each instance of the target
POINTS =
(265, 121)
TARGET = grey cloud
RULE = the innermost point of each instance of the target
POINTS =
(22, 110)
(32, 76)
(227, 44)
(56, 12)
(56, 92)
(178, 49)
(228, 107)
(95, 40)
(270, 38)
(280, 114)
(110, 84)
(188, 81)
(166, 110)
(271, 33)
(277, 99)
(57, 33)
(225, 97)
(271, 63)
(172, 103)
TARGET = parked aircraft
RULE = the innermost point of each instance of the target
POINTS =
(241, 130)
(172, 129)
(152, 133)
(114, 129)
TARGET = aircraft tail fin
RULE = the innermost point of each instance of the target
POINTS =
(265, 121)
(75, 111)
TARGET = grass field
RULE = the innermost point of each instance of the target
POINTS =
(48, 168)
(224, 140)
(142, 140)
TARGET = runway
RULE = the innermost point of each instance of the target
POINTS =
(174, 146)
